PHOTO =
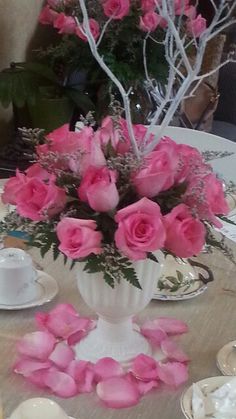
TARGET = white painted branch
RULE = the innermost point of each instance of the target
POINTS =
(111, 75)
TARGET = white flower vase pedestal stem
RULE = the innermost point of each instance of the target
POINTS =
(115, 335)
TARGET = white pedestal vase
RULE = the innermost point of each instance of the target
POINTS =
(115, 335)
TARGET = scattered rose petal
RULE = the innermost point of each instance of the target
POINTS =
(165, 324)
(63, 321)
(107, 368)
(83, 374)
(118, 392)
(173, 373)
(38, 378)
(62, 355)
(62, 384)
(26, 366)
(173, 351)
(153, 333)
(143, 386)
(144, 368)
(36, 345)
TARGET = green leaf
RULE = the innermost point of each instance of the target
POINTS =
(130, 276)
(109, 279)
(72, 264)
(152, 257)
(55, 251)
(172, 279)
(44, 249)
(93, 264)
(81, 100)
(180, 276)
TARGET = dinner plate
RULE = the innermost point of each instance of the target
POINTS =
(47, 289)
(208, 385)
(226, 359)
(196, 287)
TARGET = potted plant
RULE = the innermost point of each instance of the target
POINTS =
(36, 91)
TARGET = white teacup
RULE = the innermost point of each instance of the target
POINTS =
(17, 277)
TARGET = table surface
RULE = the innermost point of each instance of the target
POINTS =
(211, 318)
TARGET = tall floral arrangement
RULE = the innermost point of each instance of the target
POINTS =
(116, 193)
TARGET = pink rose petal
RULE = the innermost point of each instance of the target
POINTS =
(172, 351)
(107, 368)
(36, 345)
(118, 392)
(83, 374)
(62, 355)
(144, 368)
(167, 325)
(38, 378)
(143, 386)
(63, 321)
(173, 373)
(26, 366)
(153, 333)
(60, 383)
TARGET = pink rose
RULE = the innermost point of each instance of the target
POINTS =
(148, 5)
(12, 188)
(65, 24)
(190, 11)
(78, 238)
(38, 200)
(185, 235)
(158, 173)
(94, 27)
(150, 21)
(36, 171)
(98, 188)
(140, 229)
(197, 26)
(205, 196)
(181, 6)
(47, 16)
(191, 163)
(107, 133)
(116, 9)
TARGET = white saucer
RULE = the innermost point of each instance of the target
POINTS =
(207, 386)
(47, 289)
(197, 288)
(226, 359)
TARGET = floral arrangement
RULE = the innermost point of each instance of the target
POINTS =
(132, 22)
(89, 197)
(116, 192)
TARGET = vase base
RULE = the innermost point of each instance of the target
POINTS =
(93, 347)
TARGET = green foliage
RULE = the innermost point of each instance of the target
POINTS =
(114, 266)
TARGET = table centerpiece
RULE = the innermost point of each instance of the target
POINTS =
(112, 196)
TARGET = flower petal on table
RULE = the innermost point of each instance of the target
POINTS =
(168, 324)
(153, 333)
(143, 386)
(173, 351)
(85, 326)
(36, 345)
(83, 374)
(118, 392)
(144, 368)
(62, 384)
(106, 368)
(26, 366)
(173, 373)
(62, 355)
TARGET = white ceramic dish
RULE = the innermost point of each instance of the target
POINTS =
(208, 385)
(199, 271)
(47, 289)
(179, 295)
(226, 359)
